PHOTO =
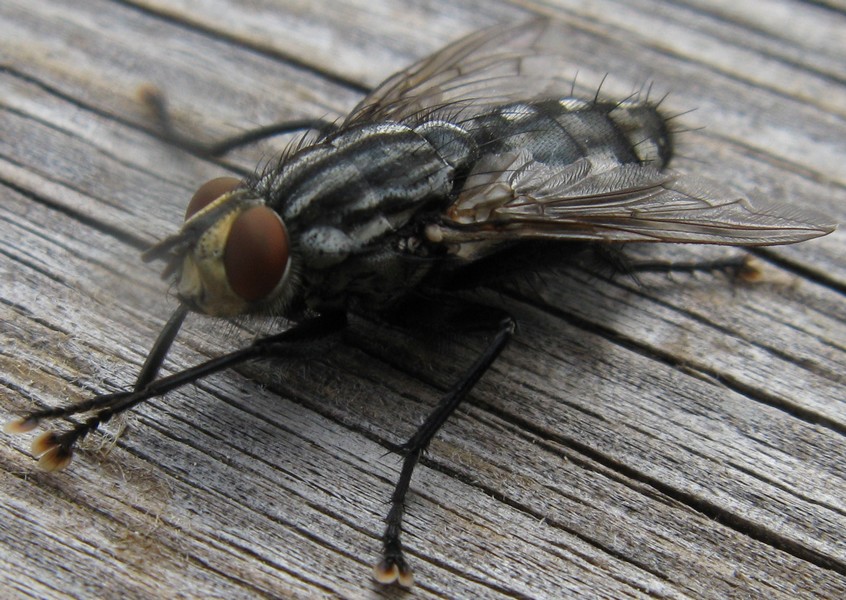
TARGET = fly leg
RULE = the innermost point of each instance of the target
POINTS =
(739, 267)
(393, 566)
(160, 348)
(55, 450)
(615, 260)
(156, 102)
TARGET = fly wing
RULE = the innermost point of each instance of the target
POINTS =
(521, 198)
(488, 68)
(511, 195)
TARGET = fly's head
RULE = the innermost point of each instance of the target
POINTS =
(231, 256)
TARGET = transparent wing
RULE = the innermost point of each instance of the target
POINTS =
(520, 198)
(488, 68)
(510, 195)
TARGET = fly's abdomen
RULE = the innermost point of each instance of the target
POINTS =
(645, 130)
(560, 132)
(567, 146)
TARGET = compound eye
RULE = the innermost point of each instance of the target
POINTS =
(209, 192)
(256, 253)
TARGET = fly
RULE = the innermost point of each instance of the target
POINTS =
(436, 182)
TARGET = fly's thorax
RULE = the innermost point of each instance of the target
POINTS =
(350, 200)
(361, 173)
(232, 255)
(452, 143)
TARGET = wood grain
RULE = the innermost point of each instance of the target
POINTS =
(679, 436)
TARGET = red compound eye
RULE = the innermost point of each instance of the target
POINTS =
(256, 253)
(209, 192)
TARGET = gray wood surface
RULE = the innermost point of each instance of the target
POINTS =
(679, 438)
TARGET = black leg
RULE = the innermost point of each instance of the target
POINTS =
(56, 449)
(614, 260)
(160, 348)
(736, 266)
(393, 566)
(154, 99)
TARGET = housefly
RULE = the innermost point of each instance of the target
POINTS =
(473, 162)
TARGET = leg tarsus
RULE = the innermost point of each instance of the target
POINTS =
(393, 566)
(56, 449)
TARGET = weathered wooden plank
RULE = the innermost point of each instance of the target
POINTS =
(679, 438)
